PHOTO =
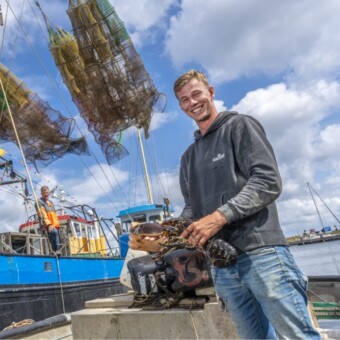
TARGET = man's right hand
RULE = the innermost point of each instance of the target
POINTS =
(199, 232)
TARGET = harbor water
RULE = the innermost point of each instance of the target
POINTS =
(318, 259)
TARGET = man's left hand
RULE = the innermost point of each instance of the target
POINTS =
(199, 232)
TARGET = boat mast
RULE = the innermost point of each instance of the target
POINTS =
(316, 207)
(147, 180)
(324, 203)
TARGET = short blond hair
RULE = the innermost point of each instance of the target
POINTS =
(187, 76)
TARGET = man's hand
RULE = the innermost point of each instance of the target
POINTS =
(199, 232)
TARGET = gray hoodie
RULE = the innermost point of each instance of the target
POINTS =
(232, 169)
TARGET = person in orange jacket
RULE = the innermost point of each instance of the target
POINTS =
(49, 218)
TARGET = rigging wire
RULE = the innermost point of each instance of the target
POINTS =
(166, 193)
(14, 44)
(19, 143)
(157, 176)
(316, 207)
(3, 33)
(43, 31)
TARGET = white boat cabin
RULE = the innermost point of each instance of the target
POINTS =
(147, 213)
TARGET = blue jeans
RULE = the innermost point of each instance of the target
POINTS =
(53, 236)
(265, 295)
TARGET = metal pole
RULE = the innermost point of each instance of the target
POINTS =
(147, 180)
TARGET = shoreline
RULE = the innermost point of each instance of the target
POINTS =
(317, 239)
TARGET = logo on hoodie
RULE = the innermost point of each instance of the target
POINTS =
(218, 157)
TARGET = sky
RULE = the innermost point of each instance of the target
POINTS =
(278, 61)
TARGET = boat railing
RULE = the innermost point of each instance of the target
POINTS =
(4, 247)
(23, 243)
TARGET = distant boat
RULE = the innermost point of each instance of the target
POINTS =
(325, 234)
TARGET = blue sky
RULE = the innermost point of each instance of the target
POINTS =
(278, 61)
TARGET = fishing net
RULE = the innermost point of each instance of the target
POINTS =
(43, 132)
(104, 74)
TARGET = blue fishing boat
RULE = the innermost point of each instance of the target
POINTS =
(35, 283)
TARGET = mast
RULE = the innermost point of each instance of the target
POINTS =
(147, 180)
(316, 207)
(310, 187)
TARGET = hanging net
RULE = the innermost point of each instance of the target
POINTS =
(44, 133)
(104, 74)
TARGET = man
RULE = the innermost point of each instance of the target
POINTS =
(49, 218)
(230, 180)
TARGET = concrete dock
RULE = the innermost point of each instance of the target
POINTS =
(112, 319)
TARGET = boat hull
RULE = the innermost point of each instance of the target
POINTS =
(38, 287)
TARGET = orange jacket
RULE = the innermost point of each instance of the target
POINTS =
(48, 214)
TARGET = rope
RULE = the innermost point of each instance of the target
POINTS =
(193, 324)
(19, 324)
(318, 296)
(60, 283)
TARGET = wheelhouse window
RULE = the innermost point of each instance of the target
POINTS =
(139, 218)
(94, 232)
(77, 229)
(89, 231)
(83, 230)
(126, 225)
(154, 218)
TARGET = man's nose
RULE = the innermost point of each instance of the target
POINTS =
(192, 101)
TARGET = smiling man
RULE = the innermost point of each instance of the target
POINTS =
(230, 181)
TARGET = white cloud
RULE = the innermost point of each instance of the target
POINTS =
(292, 116)
(231, 39)
(13, 210)
(220, 106)
(143, 18)
(92, 186)
(144, 13)
(167, 183)
(160, 119)
(328, 144)
(24, 22)
(306, 148)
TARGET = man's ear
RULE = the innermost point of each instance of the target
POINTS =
(212, 92)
